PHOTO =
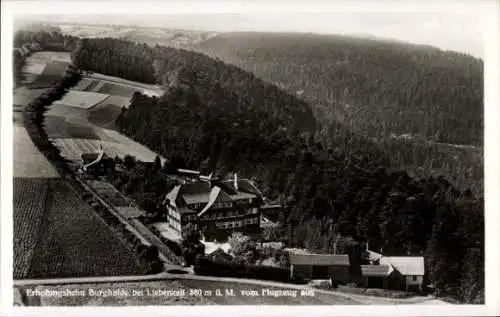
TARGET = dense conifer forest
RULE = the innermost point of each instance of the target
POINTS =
(224, 119)
(409, 98)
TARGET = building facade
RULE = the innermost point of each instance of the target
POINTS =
(408, 272)
(214, 206)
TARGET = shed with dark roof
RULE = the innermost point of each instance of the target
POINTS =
(321, 266)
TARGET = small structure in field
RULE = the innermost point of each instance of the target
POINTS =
(320, 266)
(408, 271)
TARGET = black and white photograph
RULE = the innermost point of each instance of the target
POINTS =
(264, 156)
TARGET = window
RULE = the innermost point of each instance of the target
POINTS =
(414, 278)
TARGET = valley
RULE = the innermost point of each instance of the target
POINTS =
(151, 110)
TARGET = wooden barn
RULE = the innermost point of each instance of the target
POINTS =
(408, 272)
(320, 266)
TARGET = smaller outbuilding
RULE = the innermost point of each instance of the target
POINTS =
(408, 271)
(320, 266)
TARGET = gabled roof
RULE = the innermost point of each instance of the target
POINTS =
(376, 270)
(319, 259)
(191, 193)
(406, 265)
(173, 194)
(244, 185)
(217, 195)
(241, 195)
(373, 256)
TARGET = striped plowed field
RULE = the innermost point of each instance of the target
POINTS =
(30, 196)
(75, 242)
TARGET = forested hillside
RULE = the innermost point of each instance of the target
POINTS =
(386, 91)
(218, 115)
(383, 87)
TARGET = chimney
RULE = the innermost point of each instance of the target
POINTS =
(236, 181)
(367, 248)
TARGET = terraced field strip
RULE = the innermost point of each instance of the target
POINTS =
(23, 96)
(55, 68)
(53, 56)
(75, 242)
(86, 84)
(104, 114)
(28, 160)
(129, 146)
(116, 89)
(122, 81)
(30, 196)
(82, 99)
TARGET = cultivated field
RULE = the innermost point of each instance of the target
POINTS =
(82, 99)
(72, 149)
(145, 88)
(28, 160)
(86, 84)
(43, 69)
(23, 96)
(30, 195)
(105, 113)
(53, 56)
(75, 242)
(129, 146)
(117, 89)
